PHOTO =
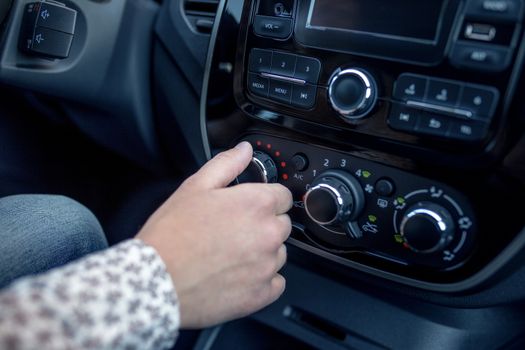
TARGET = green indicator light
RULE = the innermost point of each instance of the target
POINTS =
(366, 174)
(400, 200)
(399, 238)
(372, 218)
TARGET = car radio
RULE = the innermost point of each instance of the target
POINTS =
(387, 122)
(366, 73)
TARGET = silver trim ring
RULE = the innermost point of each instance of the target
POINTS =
(262, 168)
(334, 192)
(368, 93)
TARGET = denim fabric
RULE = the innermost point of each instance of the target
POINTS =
(39, 232)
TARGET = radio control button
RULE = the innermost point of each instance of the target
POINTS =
(303, 96)
(273, 27)
(280, 91)
(260, 61)
(283, 64)
(403, 118)
(307, 69)
(410, 87)
(468, 131)
(511, 10)
(432, 124)
(481, 101)
(258, 85)
(480, 57)
(443, 93)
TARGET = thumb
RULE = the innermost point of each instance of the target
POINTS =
(225, 167)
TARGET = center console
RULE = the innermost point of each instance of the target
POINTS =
(395, 127)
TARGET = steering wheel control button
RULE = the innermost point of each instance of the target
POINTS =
(49, 43)
(403, 118)
(280, 91)
(427, 227)
(410, 87)
(272, 27)
(260, 61)
(352, 93)
(283, 64)
(262, 169)
(307, 69)
(56, 16)
(48, 29)
(443, 93)
(258, 85)
(385, 187)
(303, 96)
(300, 162)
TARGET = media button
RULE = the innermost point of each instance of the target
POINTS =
(258, 85)
(303, 96)
(480, 100)
(273, 27)
(403, 118)
(432, 124)
(307, 69)
(260, 61)
(468, 130)
(410, 87)
(280, 90)
(443, 93)
(283, 64)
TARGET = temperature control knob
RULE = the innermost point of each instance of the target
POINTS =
(262, 168)
(335, 197)
(427, 227)
(352, 93)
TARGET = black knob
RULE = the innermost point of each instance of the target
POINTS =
(262, 168)
(352, 93)
(427, 227)
(334, 198)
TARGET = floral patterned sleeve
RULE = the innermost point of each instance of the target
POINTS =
(120, 298)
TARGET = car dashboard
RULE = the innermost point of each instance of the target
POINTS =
(397, 126)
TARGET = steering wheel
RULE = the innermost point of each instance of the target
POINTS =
(103, 85)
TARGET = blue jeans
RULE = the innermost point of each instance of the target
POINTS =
(40, 232)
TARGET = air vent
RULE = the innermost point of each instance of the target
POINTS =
(201, 14)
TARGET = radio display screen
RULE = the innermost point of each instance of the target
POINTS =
(415, 19)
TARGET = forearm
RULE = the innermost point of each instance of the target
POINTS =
(119, 298)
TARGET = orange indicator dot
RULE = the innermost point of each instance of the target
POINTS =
(283, 164)
(285, 176)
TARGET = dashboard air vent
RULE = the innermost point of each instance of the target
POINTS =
(201, 14)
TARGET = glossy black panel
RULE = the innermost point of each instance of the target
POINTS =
(487, 174)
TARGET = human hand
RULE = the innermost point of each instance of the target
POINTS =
(223, 247)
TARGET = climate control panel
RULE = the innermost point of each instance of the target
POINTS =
(350, 206)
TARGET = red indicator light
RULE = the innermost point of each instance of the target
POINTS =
(259, 143)
(406, 245)
(283, 164)
(277, 153)
(269, 146)
(285, 176)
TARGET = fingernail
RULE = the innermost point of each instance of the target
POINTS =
(243, 146)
